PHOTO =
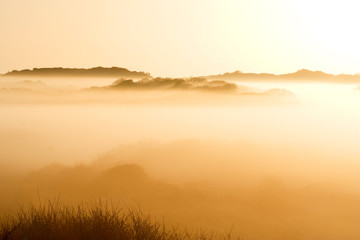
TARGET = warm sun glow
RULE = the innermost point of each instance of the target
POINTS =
(221, 119)
(329, 27)
(182, 38)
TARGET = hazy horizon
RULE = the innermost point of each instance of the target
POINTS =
(182, 76)
(182, 38)
(264, 156)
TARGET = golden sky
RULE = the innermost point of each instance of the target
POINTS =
(182, 37)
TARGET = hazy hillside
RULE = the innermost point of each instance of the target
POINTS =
(116, 72)
(113, 72)
(174, 84)
(217, 187)
(302, 75)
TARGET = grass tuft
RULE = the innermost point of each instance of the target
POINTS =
(94, 221)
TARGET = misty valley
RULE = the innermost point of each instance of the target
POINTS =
(257, 156)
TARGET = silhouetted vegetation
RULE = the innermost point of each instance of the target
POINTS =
(174, 84)
(97, 221)
(114, 72)
(276, 173)
(302, 75)
(209, 190)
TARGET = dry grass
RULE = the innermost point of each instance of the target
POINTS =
(97, 220)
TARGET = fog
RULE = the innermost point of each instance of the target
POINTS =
(274, 160)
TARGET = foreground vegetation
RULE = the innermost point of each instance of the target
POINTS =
(89, 221)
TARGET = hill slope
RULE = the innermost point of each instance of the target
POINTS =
(302, 74)
(113, 72)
